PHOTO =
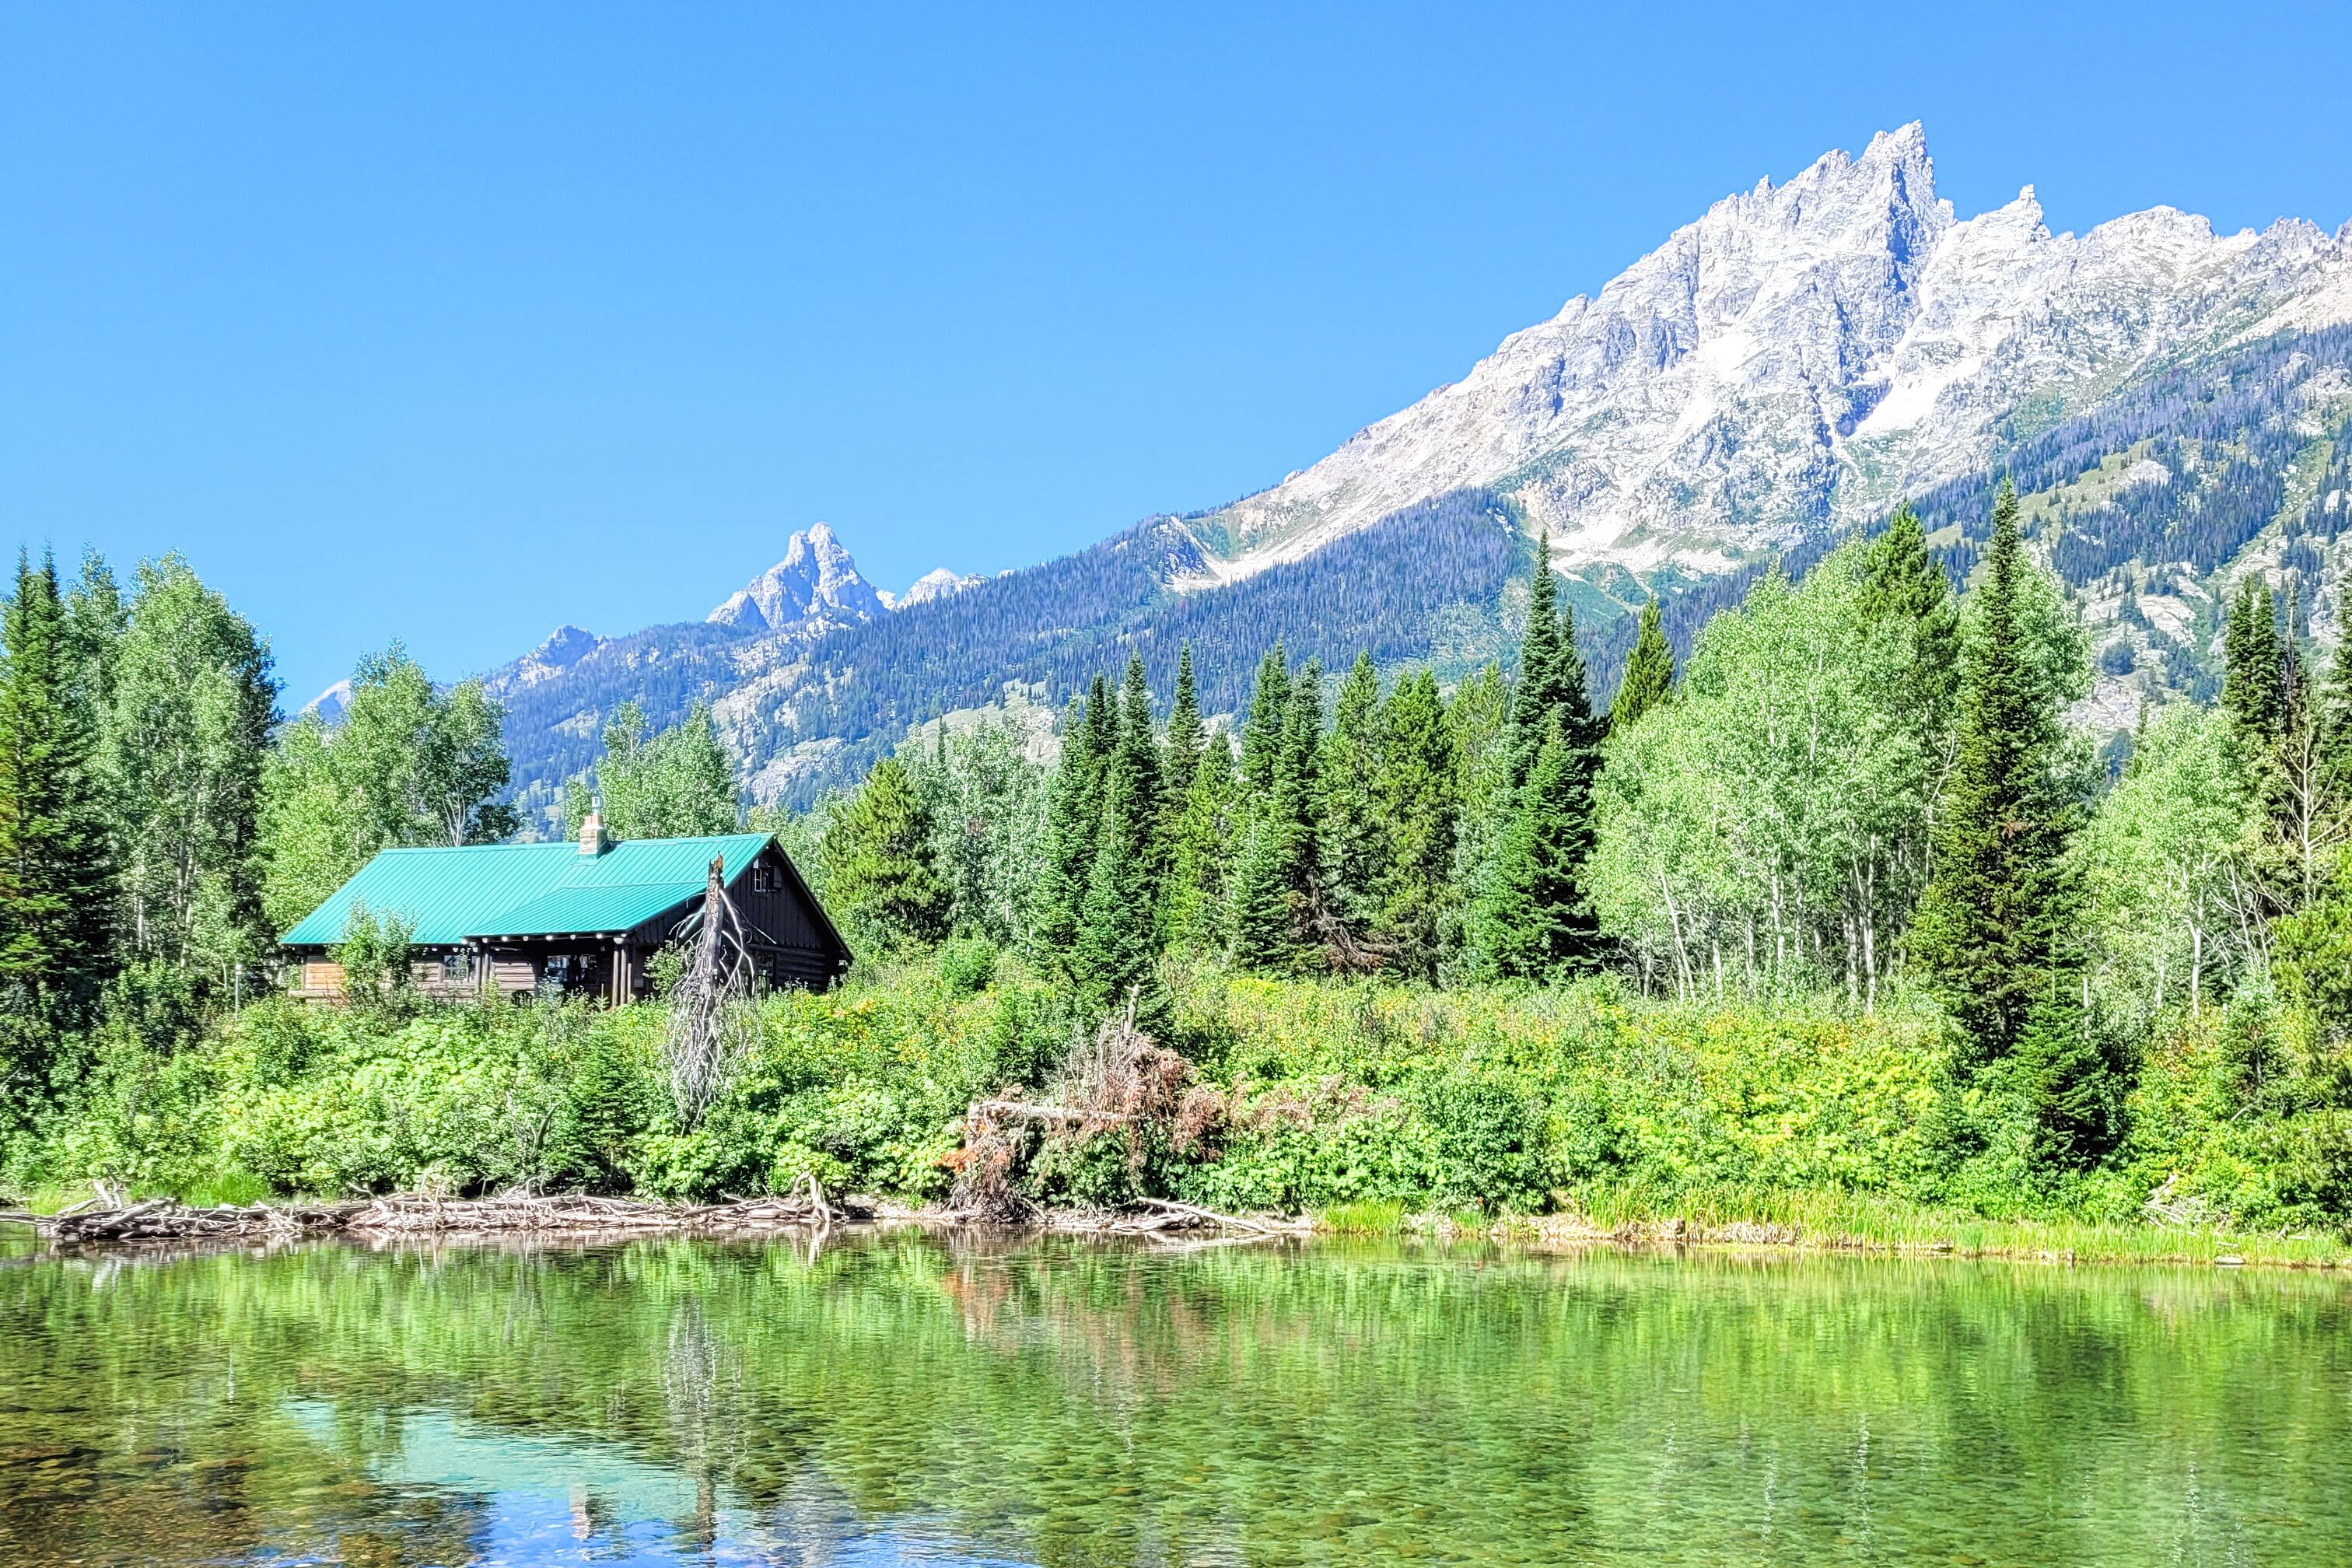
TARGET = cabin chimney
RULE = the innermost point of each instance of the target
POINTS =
(592, 828)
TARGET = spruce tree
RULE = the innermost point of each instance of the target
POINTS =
(1299, 793)
(1542, 690)
(1192, 911)
(1905, 586)
(1114, 959)
(1539, 851)
(1257, 905)
(1649, 672)
(881, 862)
(1355, 842)
(2072, 1083)
(2254, 680)
(1137, 760)
(1261, 731)
(56, 877)
(1188, 736)
(1537, 923)
(1073, 836)
(1416, 798)
(1989, 915)
(1276, 890)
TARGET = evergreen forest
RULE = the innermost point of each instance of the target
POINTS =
(1829, 919)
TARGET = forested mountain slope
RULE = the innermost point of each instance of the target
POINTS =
(2172, 404)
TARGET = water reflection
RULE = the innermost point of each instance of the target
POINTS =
(905, 1398)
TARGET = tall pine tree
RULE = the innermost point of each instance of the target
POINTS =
(1193, 909)
(1073, 830)
(1535, 918)
(1114, 958)
(1188, 736)
(1997, 900)
(1417, 801)
(1136, 757)
(1649, 673)
(1537, 923)
(1355, 847)
(1905, 589)
(882, 862)
(56, 875)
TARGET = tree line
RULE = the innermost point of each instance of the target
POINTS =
(161, 822)
(1858, 782)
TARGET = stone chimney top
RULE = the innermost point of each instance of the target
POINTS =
(592, 830)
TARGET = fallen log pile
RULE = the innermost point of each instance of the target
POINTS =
(161, 1219)
(1162, 1216)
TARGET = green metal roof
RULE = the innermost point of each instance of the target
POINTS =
(525, 889)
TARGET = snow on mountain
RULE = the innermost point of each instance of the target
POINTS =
(329, 705)
(1797, 360)
(936, 583)
(815, 588)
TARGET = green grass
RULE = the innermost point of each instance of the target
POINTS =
(1835, 1221)
(1365, 1218)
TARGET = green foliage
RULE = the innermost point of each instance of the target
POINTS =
(881, 868)
(1535, 917)
(1990, 916)
(1536, 923)
(1649, 672)
(57, 869)
(1416, 812)
(968, 964)
(679, 784)
(190, 698)
(987, 801)
(378, 972)
(405, 765)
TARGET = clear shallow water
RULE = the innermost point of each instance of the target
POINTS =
(903, 1399)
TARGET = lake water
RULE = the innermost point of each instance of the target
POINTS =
(904, 1398)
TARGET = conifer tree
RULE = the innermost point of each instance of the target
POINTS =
(2071, 1082)
(1355, 842)
(1261, 731)
(1299, 791)
(1542, 851)
(882, 866)
(1536, 922)
(1193, 912)
(1649, 672)
(1417, 803)
(1136, 762)
(55, 884)
(1988, 920)
(1542, 691)
(2254, 689)
(1257, 905)
(1073, 835)
(1903, 586)
(1188, 736)
(1113, 961)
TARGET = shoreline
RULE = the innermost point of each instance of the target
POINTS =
(1877, 1230)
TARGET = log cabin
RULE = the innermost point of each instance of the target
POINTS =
(569, 919)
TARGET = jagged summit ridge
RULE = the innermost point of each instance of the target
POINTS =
(814, 586)
(1797, 359)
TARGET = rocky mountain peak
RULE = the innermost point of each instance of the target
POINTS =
(813, 587)
(1795, 361)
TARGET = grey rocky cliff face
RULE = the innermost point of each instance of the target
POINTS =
(812, 589)
(1798, 359)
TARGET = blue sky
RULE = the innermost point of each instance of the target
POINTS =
(453, 322)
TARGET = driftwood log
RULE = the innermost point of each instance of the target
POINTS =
(161, 1219)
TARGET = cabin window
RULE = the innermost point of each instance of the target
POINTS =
(457, 967)
(763, 877)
